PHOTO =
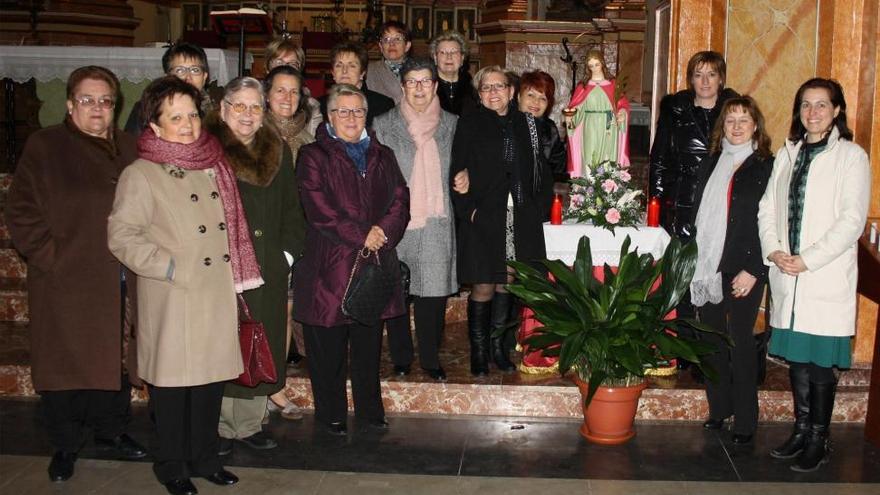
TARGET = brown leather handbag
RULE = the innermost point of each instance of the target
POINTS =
(259, 367)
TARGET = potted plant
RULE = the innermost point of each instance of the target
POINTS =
(611, 331)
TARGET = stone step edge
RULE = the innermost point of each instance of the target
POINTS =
(519, 400)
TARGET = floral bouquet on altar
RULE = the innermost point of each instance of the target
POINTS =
(604, 198)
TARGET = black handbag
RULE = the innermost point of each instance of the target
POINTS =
(369, 289)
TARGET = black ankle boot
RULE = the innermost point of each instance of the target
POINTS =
(800, 390)
(479, 314)
(816, 450)
(501, 304)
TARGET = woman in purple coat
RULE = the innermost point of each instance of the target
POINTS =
(354, 197)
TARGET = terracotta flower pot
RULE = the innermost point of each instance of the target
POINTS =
(609, 418)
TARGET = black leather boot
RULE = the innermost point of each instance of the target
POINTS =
(501, 305)
(816, 451)
(479, 314)
(800, 390)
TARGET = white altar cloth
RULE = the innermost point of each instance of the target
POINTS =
(561, 241)
(46, 63)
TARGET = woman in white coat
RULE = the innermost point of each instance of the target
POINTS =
(810, 219)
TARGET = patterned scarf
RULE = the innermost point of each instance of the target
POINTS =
(426, 182)
(207, 153)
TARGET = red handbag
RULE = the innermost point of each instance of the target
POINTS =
(259, 366)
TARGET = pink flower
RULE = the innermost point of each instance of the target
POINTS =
(609, 186)
(612, 216)
(625, 176)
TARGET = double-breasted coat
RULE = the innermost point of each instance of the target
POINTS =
(429, 251)
(187, 316)
(57, 211)
(482, 211)
(340, 207)
(269, 195)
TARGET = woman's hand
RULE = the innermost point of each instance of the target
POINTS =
(742, 284)
(375, 238)
(461, 182)
(621, 117)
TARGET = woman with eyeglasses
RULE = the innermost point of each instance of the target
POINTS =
(420, 134)
(187, 62)
(383, 75)
(263, 165)
(177, 222)
(355, 200)
(454, 84)
(289, 113)
(57, 211)
(348, 62)
(500, 217)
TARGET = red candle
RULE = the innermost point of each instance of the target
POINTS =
(556, 210)
(654, 212)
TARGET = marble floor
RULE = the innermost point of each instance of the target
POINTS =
(458, 454)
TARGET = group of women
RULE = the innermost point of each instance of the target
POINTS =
(209, 211)
(793, 222)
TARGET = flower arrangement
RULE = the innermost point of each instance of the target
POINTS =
(604, 197)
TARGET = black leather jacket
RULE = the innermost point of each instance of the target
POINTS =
(552, 148)
(680, 144)
(459, 97)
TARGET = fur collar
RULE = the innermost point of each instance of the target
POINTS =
(256, 165)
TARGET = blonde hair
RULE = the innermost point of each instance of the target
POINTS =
(478, 77)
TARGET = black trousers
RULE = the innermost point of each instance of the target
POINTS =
(69, 412)
(186, 427)
(430, 320)
(736, 391)
(327, 355)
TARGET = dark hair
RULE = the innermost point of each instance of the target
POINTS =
(835, 94)
(540, 81)
(750, 106)
(92, 72)
(185, 50)
(418, 63)
(713, 59)
(513, 80)
(285, 70)
(358, 49)
(165, 88)
(399, 26)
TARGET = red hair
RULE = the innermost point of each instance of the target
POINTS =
(539, 81)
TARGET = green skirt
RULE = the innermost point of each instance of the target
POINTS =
(800, 347)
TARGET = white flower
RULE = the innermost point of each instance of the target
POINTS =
(628, 197)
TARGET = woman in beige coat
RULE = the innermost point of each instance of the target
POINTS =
(178, 223)
(810, 220)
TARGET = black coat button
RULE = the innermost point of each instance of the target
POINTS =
(215, 195)
(207, 261)
(202, 229)
(221, 226)
(226, 258)
(194, 197)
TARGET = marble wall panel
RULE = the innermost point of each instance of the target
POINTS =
(771, 50)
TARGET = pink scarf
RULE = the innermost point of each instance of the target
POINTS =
(426, 183)
(207, 153)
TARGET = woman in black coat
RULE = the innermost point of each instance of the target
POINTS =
(730, 277)
(500, 217)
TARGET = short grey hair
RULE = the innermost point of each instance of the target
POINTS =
(244, 82)
(449, 36)
(482, 73)
(338, 90)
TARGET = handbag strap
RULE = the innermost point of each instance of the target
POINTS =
(243, 308)
(357, 261)
(536, 148)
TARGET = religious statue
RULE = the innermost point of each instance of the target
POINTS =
(596, 119)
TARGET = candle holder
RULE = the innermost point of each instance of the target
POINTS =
(569, 113)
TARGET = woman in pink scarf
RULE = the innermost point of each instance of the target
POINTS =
(178, 223)
(420, 134)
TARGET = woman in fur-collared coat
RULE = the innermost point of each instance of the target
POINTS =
(264, 168)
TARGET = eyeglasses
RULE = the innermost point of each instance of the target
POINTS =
(89, 102)
(411, 83)
(279, 62)
(388, 40)
(182, 70)
(239, 107)
(450, 53)
(488, 88)
(344, 113)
